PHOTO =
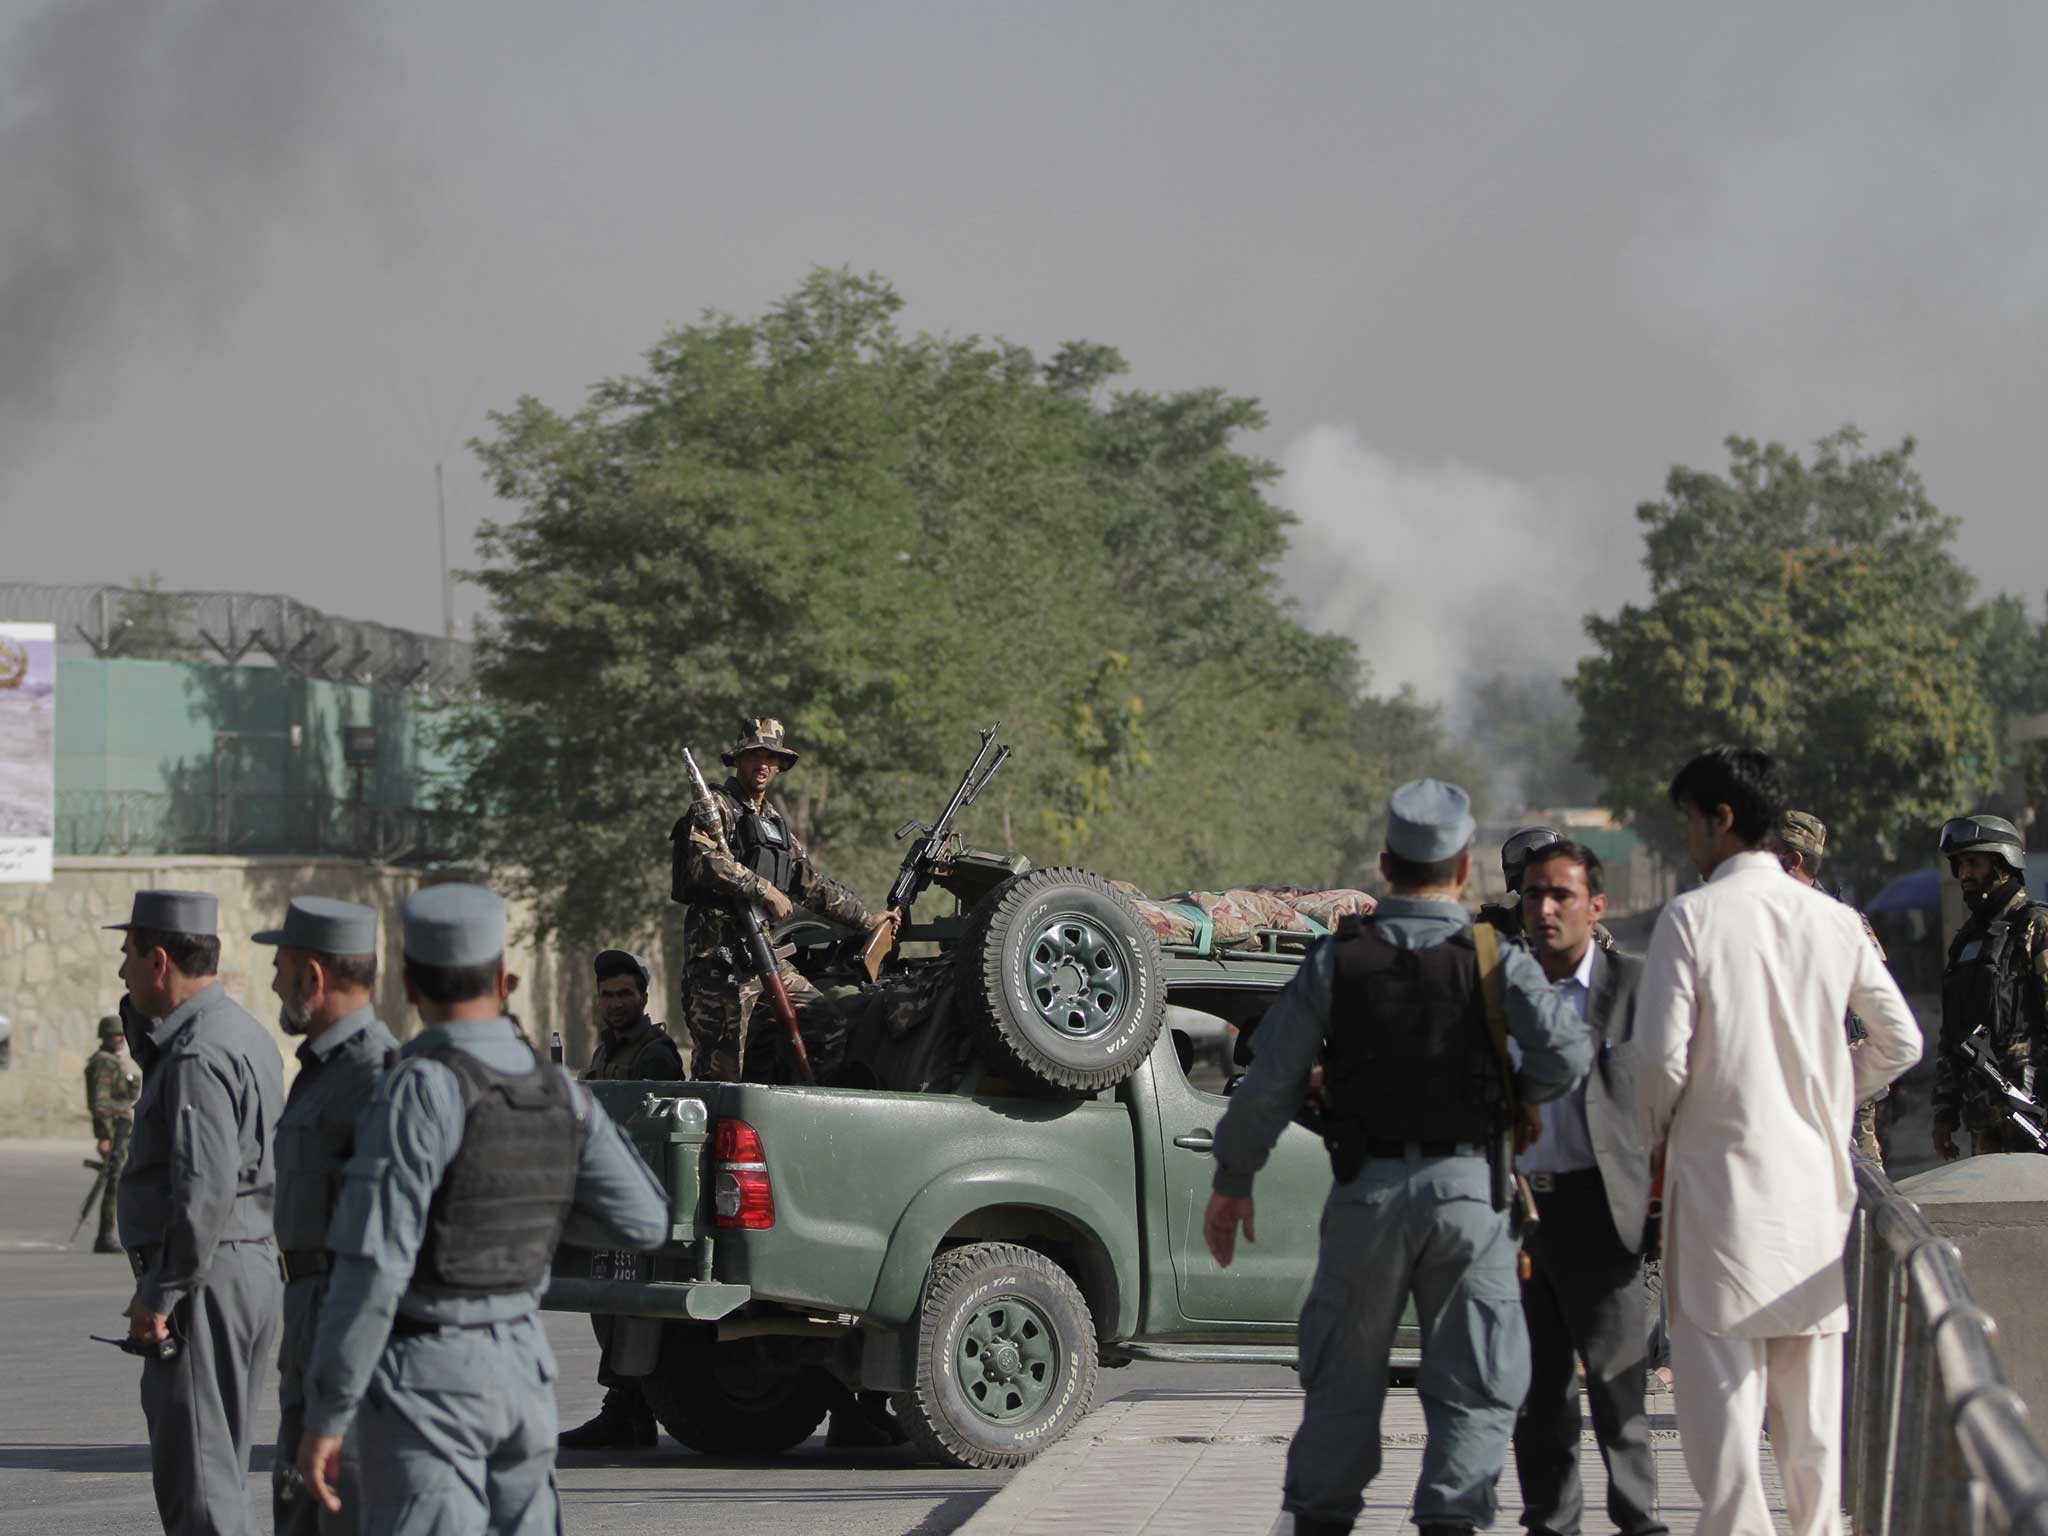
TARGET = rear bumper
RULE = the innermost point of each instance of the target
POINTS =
(698, 1301)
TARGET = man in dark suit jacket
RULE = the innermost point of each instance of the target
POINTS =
(1590, 1172)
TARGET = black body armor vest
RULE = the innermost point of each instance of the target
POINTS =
(762, 844)
(1409, 1056)
(501, 1204)
(1986, 981)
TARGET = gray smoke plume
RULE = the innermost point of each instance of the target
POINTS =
(160, 160)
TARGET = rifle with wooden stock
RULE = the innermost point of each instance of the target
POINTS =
(754, 932)
(934, 844)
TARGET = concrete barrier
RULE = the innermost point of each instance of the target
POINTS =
(1995, 1210)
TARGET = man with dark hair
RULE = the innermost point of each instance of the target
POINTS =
(473, 1160)
(1506, 916)
(732, 1030)
(1746, 1082)
(630, 1048)
(1416, 1082)
(112, 1085)
(1590, 1173)
(1801, 845)
(325, 966)
(196, 1210)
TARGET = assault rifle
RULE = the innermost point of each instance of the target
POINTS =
(2021, 1111)
(754, 932)
(91, 1195)
(934, 845)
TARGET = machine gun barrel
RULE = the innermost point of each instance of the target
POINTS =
(755, 933)
(915, 873)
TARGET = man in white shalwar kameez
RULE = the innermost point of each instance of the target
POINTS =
(1745, 1079)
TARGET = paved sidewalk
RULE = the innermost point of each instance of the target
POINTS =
(1169, 1463)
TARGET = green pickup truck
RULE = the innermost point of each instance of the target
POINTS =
(979, 1254)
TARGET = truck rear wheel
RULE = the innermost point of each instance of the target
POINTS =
(1061, 975)
(746, 1397)
(1006, 1360)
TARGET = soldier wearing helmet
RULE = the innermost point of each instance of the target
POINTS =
(1997, 981)
(1515, 853)
(732, 1037)
(112, 1085)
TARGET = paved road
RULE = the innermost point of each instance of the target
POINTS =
(74, 1462)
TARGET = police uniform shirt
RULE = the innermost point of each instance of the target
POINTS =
(1556, 1046)
(338, 1072)
(200, 1167)
(405, 1141)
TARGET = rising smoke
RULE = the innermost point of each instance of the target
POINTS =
(162, 160)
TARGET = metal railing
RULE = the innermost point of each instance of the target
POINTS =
(143, 822)
(1935, 1440)
(227, 627)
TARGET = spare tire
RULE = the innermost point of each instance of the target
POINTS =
(1061, 977)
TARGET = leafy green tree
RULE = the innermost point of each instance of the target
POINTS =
(1812, 608)
(2012, 659)
(887, 541)
(1526, 726)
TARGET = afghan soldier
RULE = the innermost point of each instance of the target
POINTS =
(1801, 844)
(196, 1210)
(733, 1032)
(630, 1048)
(112, 1085)
(472, 1161)
(1506, 916)
(1417, 1093)
(325, 966)
(1996, 981)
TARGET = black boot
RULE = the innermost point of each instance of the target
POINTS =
(105, 1243)
(646, 1433)
(613, 1429)
(862, 1423)
(1308, 1525)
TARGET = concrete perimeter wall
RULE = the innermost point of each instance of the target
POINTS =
(57, 965)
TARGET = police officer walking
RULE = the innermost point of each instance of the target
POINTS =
(1417, 1099)
(473, 1160)
(731, 1033)
(195, 1210)
(631, 1047)
(112, 1085)
(1996, 982)
(325, 967)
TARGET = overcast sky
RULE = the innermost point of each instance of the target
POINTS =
(1492, 269)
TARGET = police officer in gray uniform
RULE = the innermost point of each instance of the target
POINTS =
(195, 1210)
(325, 966)
(1415, 1093)
(472, 1161)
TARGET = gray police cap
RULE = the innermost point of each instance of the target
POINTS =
(453, 925)
(194, 912)
(325, 925)
(1428, 820)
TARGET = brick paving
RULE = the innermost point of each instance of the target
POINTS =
(1173, 1463)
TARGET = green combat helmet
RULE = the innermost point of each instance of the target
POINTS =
(1514, 853)
(110, 1028)
(1984, 834)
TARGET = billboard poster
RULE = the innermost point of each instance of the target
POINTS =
(28, 750)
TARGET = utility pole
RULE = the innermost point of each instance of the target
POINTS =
(447, 593)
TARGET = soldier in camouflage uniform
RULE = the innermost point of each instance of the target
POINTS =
(1801, 842)
(732, 1033)
(112, 1085)
(1997, 980)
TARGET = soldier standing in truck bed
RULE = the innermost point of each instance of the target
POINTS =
(732, 1034)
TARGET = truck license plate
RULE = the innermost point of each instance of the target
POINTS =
(617, 1264)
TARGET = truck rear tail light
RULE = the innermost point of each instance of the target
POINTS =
(741, 1195)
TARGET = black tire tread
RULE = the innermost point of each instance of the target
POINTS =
(981, 982)
(678, 1393)
(926, 1430)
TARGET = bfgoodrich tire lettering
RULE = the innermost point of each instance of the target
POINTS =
(1005, 1358)
(1061, 977)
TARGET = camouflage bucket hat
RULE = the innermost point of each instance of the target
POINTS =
(1803, 832)
(763, 732)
